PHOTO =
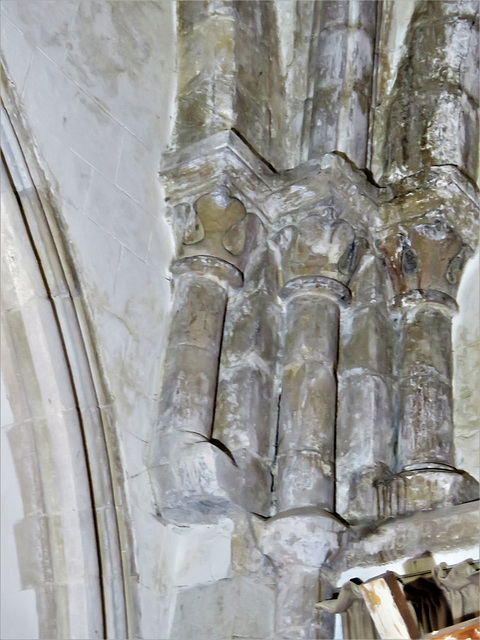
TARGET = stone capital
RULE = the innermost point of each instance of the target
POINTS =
(319, 244)
(426, 256)
(305, 536)
(218, 226)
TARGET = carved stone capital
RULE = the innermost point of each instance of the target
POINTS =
(320, 244)
(426, 256)
(216, 225)
(306, 536)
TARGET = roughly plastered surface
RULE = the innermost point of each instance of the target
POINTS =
(96, 83)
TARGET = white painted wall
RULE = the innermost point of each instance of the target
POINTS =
(96, 83)
(18, 613)
(466, 363)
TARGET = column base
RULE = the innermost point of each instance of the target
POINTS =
(358, 500)
(299, 541)
(424, 489)
(195, 481)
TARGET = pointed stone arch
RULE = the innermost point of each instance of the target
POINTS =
(74, 543)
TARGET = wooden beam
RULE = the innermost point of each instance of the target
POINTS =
(468, 630)
(388, 608)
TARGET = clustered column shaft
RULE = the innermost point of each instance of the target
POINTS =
(306, 437)
(364, 451)
(191, 366)
(425, 436)
(424, 261)
(247, 397)
(343, 82)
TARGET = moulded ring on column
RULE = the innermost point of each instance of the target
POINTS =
(317, 285)
(416, 298)
(209, 266)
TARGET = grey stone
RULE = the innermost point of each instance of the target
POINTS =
(392, 90)
(251, 332)
(193, 480)
(342, 89)
(364, 444)
(307, 409)
(246, 409)
(205, 611)
(305, 479)
(424, 489)
(426, 344)
(395, 539)
(365, 341)
(311, 331)
(197, 316)
(426, 427)
(188, 392)
(298, 543)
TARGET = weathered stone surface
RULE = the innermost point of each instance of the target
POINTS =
(247, 395)
(423, 89)
(245, 410)
(251, 332)
(234, 600)
(307, 409)
(425, 435)
(321, 244)
(197, 316)
(426, 345)
(298, 543)
(206, 55)
(219, 226)
(193, 480)
(430, 256)
(433, 489)
(261, 68)
(342, 84)
(365, 341)
(444, 529)
(364, 444)
(188, 392)
(257, 481)
(311, 331)
(305, 479)
(296, 616)
(368, 285)
(424, 489)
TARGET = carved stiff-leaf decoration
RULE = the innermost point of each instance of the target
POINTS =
(428, 256)
(320, 245)
(219, 225)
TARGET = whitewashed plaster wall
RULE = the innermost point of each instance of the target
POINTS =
(96, 83)
(17, 605)
(466, 363)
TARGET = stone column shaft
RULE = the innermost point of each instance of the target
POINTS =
(364, 422)
(343, 79)
(424, 261)
(308, 404)
(247, 403)
(185, 467)
(296, 617)
(427, 103)
(299, 544)
(425, 389)
(191, 364)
